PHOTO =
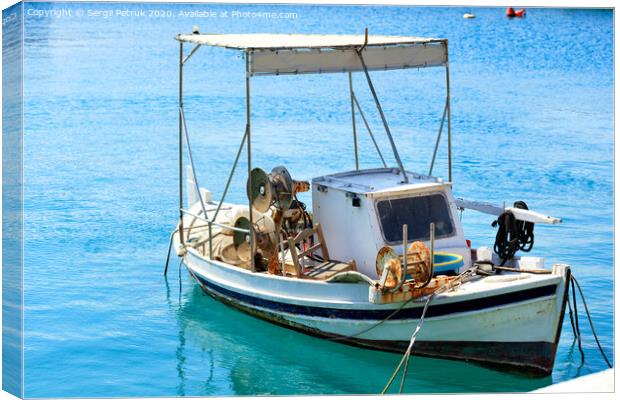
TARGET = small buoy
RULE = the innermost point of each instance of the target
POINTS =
(196, 30)
(520, 13)
(510, 12)
(469, 16)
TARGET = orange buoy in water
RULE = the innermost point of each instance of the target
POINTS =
(510, 12)
(520, 13)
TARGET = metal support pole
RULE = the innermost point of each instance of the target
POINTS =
(432, 231)
(210, 242)
(383, 119)
(232, 172)
(191, 53)
(405, 239)
(449, 128)
(359, 109)
(282, 256)
(182, 239)
(249, 138)
(357, 163)
(191, 160)
(403, 265)
(443, 118)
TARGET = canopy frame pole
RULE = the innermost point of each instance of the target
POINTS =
(443, 118)
(449, 125)
(191, 160)
(383, 119)
(191, 53)
(249, 139)
(232, 172)
(357, 163)
(372, 136)
(182, 239)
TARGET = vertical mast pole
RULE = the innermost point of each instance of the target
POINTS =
(449, 128)
(181, 232)
(357, 163)
(249, 138)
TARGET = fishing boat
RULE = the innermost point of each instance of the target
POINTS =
(380, 250)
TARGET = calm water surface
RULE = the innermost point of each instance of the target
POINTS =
(532, 120)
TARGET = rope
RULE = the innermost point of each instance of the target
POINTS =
(570, 314)
(440, 289)
(574, 323)
(169, 249)
(512, 235)
(405, 359)
(528, 271)
(585, 306)
(337, 338)
(576, 327)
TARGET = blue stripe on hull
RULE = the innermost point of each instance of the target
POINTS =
(405, 313)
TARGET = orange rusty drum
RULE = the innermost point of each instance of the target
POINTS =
(387, 257)
(419, 261)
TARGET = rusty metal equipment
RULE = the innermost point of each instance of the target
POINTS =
(418, 264)
(415, 265)
(275, 189)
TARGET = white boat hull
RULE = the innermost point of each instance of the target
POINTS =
(509, 321)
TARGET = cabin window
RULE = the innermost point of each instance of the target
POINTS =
(418, 213)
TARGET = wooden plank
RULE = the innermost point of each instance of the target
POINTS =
(319, 233)
(309, 250)
(328, 269)
(294, 256)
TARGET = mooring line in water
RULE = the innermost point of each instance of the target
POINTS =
(180, 281)
(572, 324)
(576, 329)
(585, 306)
(570, 314)
(169, 249)
(405, 359)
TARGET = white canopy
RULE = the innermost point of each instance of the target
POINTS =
(274, 54)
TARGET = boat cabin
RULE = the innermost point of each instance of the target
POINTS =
(362, 211)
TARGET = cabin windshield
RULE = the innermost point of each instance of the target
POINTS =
(417, 212)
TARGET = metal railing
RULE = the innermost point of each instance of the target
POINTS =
(210, 225)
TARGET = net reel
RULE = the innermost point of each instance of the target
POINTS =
(419, 265)
(264, 190)
(260, 190)
(241, 240)
(276, 188)
(263, 235)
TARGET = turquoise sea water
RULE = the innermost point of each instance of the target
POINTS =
(532, 120)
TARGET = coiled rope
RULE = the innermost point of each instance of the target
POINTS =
(512, 235)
